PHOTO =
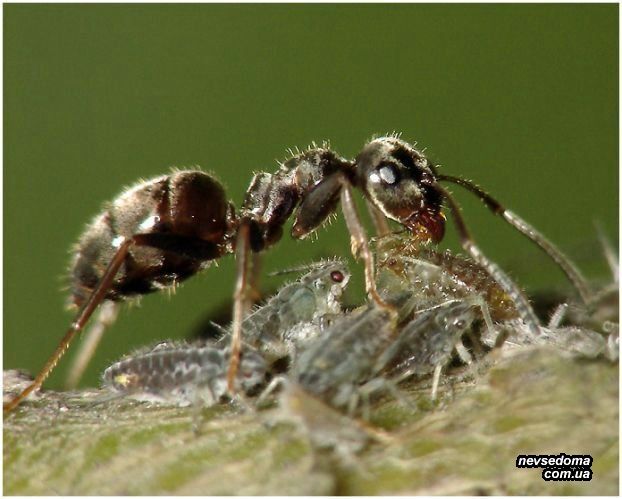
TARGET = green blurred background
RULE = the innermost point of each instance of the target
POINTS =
(520, 98)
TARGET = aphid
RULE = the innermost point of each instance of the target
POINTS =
(184, 374)
(416, 277)
(426, 344)
(298, 312)
(164, 230)
(333, 367)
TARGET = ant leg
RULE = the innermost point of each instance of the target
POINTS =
(253, 282)
(522, 304)
(81, 319)
(571, 271)
(240, 301)
(319, 203)
(380, 221)
(360, 246)
(108, 312)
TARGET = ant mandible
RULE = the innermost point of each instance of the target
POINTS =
(164, 230)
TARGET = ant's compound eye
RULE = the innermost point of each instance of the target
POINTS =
(388, 174)
(337, 276)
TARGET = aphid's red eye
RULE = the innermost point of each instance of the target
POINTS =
(336, 276)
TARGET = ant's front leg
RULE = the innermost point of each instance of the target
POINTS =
(321, 202)
(381, 224)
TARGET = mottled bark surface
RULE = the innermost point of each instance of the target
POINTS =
(534, 401)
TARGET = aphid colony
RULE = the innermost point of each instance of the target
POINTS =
(162, 231)
(442, 304)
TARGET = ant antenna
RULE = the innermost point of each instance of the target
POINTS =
(571, 271)
(522, 304)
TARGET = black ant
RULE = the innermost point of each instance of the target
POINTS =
(164, 230)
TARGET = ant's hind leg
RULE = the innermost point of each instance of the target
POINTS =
(107, 315)
(84, 314)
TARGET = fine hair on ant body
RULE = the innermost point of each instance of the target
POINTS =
(163, 230)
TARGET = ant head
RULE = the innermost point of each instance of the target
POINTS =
(400, 181)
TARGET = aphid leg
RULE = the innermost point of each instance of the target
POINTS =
(476, 344)
(106, 316)
(571, 271)
(499, 336)
(381, 384)
(360, 246)
(240, 301)
(365, 402)
(557, 316)
(436, 380)
(522, 304)
(197, 411)
(486, 314)
(96, 297)
(274, 384)
(240, 399)
(353, 403)
(463, 353)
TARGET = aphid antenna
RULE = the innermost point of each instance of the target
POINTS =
(567, 266)
(222, 330)
(306, 267)
(609, 251)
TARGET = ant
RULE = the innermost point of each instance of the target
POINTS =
(162, 231)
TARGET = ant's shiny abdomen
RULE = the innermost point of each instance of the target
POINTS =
(178, 222)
